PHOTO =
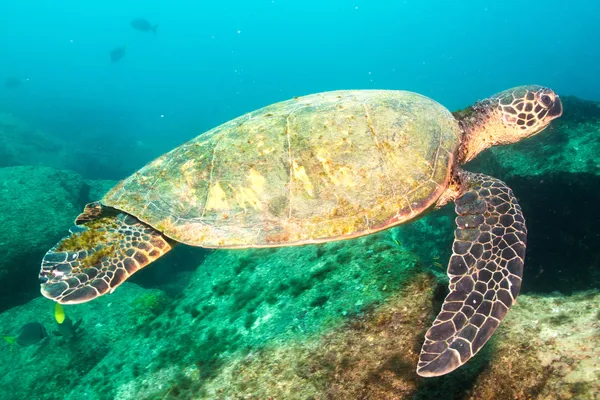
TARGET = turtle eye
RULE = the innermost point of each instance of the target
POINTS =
(546, 100)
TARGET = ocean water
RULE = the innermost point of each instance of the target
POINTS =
(212, 61)
(223, 324)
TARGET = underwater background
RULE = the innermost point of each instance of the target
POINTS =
(88, 96)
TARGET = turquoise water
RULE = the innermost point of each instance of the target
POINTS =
(212, 61)
(87, 99)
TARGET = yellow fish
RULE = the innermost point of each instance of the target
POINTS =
(10, 339)
(437, 264)
(59, 313)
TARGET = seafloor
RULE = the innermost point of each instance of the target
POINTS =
(342, 320)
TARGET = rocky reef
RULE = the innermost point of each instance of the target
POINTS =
(338, 321)
(535, 354)
(90, 153)
(55, 366)
(38, 207)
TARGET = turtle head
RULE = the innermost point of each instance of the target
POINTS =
(506, 117)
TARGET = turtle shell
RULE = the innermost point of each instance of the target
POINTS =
(318, 168)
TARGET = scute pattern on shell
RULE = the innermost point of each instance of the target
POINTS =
(312, 169)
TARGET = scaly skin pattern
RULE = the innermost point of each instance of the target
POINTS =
(323, 167)
(485, 272)
(72, 273)
(486, 266)
(505, 118)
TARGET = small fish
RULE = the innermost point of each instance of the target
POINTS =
(30, 334)
(66, 327)
(117, 54)
(143, 25)
(10, 339)
(437, 264)
(59, 313)
(397, 242)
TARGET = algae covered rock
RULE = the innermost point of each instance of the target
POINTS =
(51, 369)
(87, 151)
(38, 207)
(238, 302)
(337, 321)
(548, 347)
(340, 321)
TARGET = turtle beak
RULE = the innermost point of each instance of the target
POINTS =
(557, 108)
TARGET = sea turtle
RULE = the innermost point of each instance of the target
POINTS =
(319, 168)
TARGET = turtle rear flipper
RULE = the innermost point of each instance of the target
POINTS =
(485, 274)
(102, 251)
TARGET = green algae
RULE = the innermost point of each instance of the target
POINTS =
(38, 206)
(320, 329)
(464, 113)
(102, 243)
(108, 223)
(89, 239)
(560, 319)
(148, 305)
(101, 237)
(96, 257)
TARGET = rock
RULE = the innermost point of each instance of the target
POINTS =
(547, 347)
(55, 366)
(89, 153)
(39, 205)
(239, 300)
(339, 321)
(24, 144)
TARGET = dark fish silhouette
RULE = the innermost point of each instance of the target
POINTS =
(143, 25)
(117, 53)
(12, 82)
(31, 333)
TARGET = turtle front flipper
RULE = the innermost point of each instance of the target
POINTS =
(104, 249)
(485, 273)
